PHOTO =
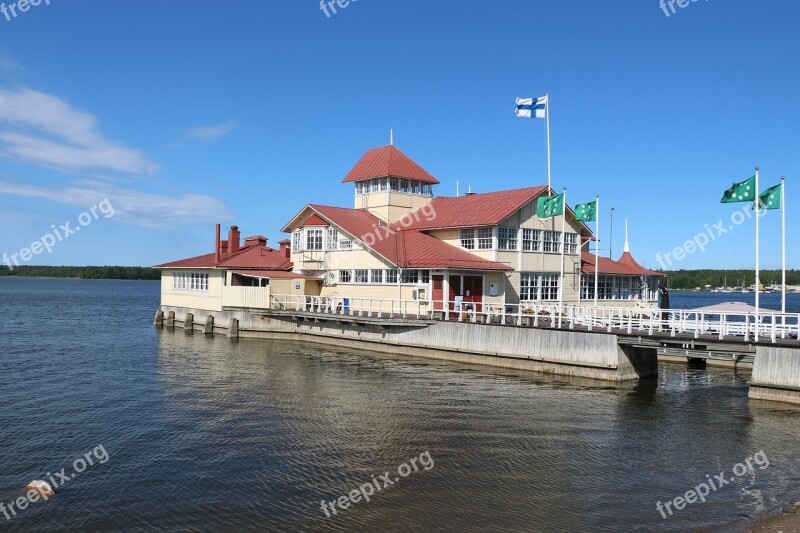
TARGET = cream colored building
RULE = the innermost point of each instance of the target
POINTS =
(399, 248)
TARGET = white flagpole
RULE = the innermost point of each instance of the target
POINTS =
(563, 245)
(783, 245)
(758, 273)
(547, 121)
(596, 249)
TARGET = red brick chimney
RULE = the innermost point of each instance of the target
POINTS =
(256, 240)
(217, 244)
(287, 252)
(234, 240)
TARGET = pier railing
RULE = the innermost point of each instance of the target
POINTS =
(770, 327)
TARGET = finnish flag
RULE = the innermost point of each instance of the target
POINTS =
(530, 107)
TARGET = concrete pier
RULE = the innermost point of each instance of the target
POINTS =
(233, 328)
(776, 375)
(615, 356)
(208, 329)
(188, 322)
(597, 356)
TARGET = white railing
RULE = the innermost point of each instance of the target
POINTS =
(628, 319)
(247, 297)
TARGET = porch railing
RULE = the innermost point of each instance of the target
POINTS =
(640, 320)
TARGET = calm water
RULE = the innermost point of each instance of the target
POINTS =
(220, 435)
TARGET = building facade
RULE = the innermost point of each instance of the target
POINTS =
(400, 243)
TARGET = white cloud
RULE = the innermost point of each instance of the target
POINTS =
(55, 135)
(148, 210)
(207, 133)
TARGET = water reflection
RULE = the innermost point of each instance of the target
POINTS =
(520, 448)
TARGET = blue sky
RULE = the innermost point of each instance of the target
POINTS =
(184, 114)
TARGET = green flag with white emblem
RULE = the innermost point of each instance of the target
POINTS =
(744, 191)
(550, 206)
(771, 198)
(586, 212)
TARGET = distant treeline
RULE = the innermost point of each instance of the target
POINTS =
(691, 279)
(88, 272)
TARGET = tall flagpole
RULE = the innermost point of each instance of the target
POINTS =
(547, 121)
(596, 248)
(758, 270)
(563, 245)
(783, 245)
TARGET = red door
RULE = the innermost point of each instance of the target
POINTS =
(437, 292)
(455, 290)
(473, 291)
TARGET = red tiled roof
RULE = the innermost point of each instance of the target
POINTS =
(274, 274)
(388, 161)
(618, 268)
(628, 260)
(407, 248)
(420, 250)
(261, 257)
(201, 261)
(487, 209)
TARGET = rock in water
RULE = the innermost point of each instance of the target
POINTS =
(42, 487)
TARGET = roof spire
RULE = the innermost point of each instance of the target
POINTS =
(391, 137)
(627, 248)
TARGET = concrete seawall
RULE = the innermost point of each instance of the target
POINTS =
(570, 353)
(776, 375)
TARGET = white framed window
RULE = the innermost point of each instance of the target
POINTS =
(425, 276)
(330, 241)
(345, 276)
(529, 287)
(391, 276)
(507, 238)
(297, 241)
(552, 241)
(587, 287)
(361, 275)
(531, 240)
(468, 239)
(190, 281)
(376, 276)
(550, 286)
(410, 276)
(538, 286)
(571, 241)
(314, 239)
(485, 239)
(346, 244)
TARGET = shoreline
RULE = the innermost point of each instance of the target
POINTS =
(787, 522)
